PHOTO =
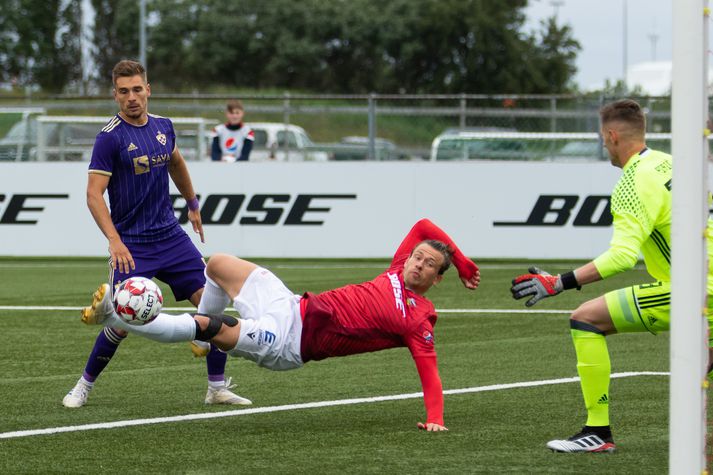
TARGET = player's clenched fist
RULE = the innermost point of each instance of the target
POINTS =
(538, 284)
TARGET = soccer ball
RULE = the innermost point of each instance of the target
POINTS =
(138, 300)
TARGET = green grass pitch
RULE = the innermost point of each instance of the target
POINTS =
(43, 353)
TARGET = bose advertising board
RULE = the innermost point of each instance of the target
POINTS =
(510, 210)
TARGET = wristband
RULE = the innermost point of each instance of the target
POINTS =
(569, 281)
(192, 204)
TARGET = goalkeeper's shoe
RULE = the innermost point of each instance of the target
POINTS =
(101, 307)
(223, 395)
(200, 348)
(77, 396)
(588, 440)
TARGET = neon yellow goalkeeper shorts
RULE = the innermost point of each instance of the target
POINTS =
(645, 307)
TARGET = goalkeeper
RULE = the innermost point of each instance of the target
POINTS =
(641, 208)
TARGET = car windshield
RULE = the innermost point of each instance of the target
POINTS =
(306, 140)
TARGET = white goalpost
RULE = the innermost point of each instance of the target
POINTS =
(687, 428)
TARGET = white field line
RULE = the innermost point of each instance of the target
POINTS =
(193, 309)
(382, 266)
(296, 407)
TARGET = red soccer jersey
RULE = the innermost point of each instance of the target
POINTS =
(381, 314)
(371, 316)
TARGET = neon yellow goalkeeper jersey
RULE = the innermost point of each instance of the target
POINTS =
(641, 207)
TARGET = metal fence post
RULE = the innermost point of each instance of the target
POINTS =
(25, 139)
(286, 119)
(372, 126)
(62, 141)
(41, 141)
(201, 140)
(601, 139)
(461, 121)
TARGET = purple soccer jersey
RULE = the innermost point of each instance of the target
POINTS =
(136, 159)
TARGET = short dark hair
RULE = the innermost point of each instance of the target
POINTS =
(233, 105)
(626, 111)
(127, 68)
(443, 248)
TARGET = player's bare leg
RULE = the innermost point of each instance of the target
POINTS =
(595, 312)
(229, 272)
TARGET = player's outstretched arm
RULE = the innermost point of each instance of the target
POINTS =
(432, 393)
(425, 229)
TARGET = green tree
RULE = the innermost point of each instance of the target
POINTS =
(416, 46)
(294, 48)
(169, 39)
(554, 58)
(475, 46)
(355, 61)
(13, 67)
(40, 42)
(225, 43)
(116, 34)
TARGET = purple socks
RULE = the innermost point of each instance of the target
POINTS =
(104, 348)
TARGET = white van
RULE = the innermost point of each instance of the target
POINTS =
(283, 142)
(489, 144)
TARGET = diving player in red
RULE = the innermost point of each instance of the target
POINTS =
(280, 330)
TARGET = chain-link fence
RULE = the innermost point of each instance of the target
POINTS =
(347, 127)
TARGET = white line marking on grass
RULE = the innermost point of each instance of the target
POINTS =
(295, 407)
(496, 310)
(59, 265)
(326, 266)
(193, 309)
(37, 308)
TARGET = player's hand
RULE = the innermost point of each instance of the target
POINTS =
(195, 218)
(473, 281)
(431, 427)
(121, 258)
(538, 284)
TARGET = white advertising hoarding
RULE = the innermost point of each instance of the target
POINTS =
(343, 209)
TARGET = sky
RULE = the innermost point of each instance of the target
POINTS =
(599, 27)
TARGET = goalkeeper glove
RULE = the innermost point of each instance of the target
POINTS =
(538, 283)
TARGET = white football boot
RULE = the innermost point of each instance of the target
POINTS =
(77, 396)
(224, 395)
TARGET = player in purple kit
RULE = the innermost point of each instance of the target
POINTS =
(133, 157)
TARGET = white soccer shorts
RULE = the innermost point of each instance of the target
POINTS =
(271, 324)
